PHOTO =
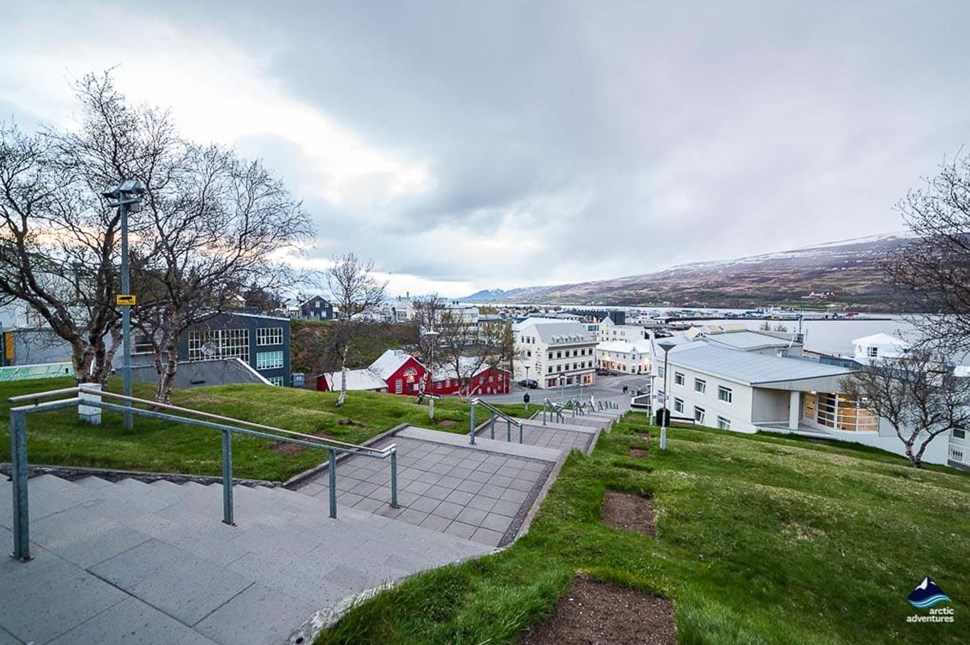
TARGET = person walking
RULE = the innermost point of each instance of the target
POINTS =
(525, 399)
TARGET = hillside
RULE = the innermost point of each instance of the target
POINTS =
(759, 539)
(841, 274)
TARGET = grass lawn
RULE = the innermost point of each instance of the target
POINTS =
(760, 539)
(60, 438)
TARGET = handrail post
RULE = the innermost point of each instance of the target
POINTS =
(332, 471)
(544, 403)
(491, 425)
(508, 430)
(394, 478)
(18, 467)
(520, 432)
(227, 478)
(471, 431)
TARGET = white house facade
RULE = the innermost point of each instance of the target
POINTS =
(609, 331)
(554, 352)
(878, 346)
(624, 357)
(747, 391)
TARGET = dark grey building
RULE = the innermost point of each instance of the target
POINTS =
(263, 342)
(317, 308)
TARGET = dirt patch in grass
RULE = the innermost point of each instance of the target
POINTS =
(290, 449)
(599, 612)
(447, 423)
(630, 512)
(642, 453)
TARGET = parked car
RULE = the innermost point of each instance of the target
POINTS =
(529, 383)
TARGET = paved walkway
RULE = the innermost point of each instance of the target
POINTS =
(481, 492)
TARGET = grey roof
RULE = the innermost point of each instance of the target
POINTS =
(748, 340)
(562, 333)
(747, 367)
(216, 371)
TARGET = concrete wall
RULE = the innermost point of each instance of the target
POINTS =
(771, 406)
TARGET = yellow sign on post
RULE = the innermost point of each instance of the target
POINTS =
(125, 300)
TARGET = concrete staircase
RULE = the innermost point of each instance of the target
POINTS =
(153, 563)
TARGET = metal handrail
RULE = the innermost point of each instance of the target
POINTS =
(18, 451)
(495, 414)
(553, 407)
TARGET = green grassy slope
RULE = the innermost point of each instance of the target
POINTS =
(59, 438)
(760, 540)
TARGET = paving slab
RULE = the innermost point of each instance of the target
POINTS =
(257, 615)
(49, 596)
(182, 585)
(132, 621)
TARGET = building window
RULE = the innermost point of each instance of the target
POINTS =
(660, 372)
(872, 352)
(723, 424)
(724, 394)
(219, 343)
(678, 405)
(678, 378)
(269, 360)
(698, 415)
(839, 412)
(959, 434)
(550, 356)
(276, 380)
(143, 345)
(269, 336)
(398, 386)
(700, 385)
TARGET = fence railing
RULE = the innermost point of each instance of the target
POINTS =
(226, 425)
(495, 414)
(552, 409)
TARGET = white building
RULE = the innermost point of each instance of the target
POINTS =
(624, 357)
(554, 352)
(748, 391)
(609, 332)
(878, 346)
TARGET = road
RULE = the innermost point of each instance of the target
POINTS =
(606, 387)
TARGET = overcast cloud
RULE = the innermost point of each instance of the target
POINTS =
(470, 145)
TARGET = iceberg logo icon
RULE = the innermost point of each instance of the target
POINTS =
(927, 594)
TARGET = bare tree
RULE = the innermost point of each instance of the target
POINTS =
(214, 231)
(462, 347)
(357, 293)
(58, 240)
(918, 395)
(934, 269)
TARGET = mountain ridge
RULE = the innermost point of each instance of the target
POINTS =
(844, 273)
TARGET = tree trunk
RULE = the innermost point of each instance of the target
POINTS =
(166, 375)
(343, 377)
(914, 460)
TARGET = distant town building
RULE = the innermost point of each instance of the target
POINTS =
(878, 346)
(623, 357)
(554, 352)
(317, 308)
(610, 331)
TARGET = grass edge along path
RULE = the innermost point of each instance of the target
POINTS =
(61, 439)
(760, 539)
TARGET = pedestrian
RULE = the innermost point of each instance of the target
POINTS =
(525, 399)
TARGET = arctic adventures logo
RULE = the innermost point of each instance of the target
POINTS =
(927, 595)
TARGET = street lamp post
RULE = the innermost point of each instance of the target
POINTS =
(562, 388)
(665, 345)
(527, 376)
(127, 199)
(432, 335)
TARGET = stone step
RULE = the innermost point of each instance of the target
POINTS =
(188, 576)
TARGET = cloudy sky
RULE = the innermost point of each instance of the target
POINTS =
(470, 145)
